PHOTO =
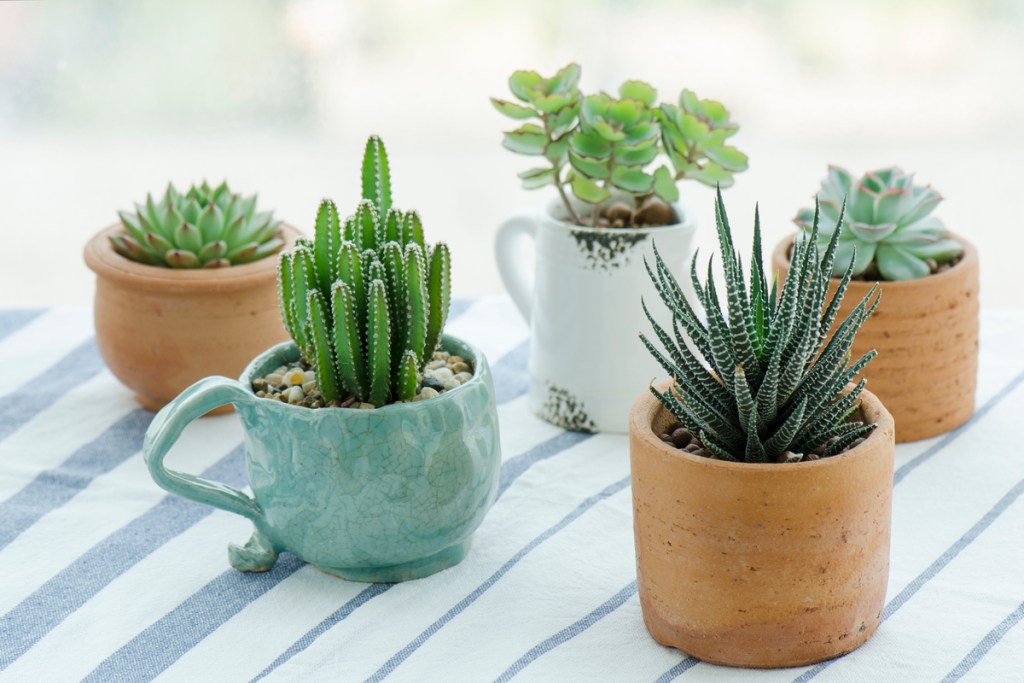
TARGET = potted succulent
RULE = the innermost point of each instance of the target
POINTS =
(926, 328)
(762, 479)
(184, 289)
(372, 438)
(615, 163)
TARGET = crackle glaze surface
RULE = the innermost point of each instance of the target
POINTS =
(371, 495)
(583, 305)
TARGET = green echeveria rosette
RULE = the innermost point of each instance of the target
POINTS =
(887, 228)
(203, 228)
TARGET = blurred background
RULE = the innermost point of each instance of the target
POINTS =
(102, 101)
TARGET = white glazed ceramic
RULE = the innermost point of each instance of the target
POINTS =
(582, 301)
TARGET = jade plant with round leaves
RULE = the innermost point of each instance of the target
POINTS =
(888, 231)
(204, 227)
(598, 146)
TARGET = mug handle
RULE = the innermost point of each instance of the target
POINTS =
(194, 402)
(515, 276)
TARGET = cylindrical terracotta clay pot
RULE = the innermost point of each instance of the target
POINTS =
(760, 565)
(926, 335)
(160, 330)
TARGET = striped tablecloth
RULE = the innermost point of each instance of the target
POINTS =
(104, 577)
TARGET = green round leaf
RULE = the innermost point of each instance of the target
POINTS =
(588, 191)
(640, 91)
(513, 110)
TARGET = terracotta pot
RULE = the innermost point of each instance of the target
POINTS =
(159, 330)
(926, 335)
(760, 565)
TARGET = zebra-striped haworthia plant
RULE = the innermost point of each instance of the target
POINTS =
(366, 300)
(205, 227)
(772, 384)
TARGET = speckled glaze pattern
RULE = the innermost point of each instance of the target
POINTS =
(926, 335)
(370, 495)
(582, 301)
(761, 565)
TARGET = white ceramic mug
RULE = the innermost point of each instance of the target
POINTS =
(587, 364)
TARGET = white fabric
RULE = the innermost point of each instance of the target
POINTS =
(105, 577)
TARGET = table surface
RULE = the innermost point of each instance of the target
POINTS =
(105, 577)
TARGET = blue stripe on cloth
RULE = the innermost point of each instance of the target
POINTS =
(515, 466)
(22, 404)
(569, 632)
(511, 378)
(209, 598)
(938, 565)
(149, 653)
(14, 319)
(935, 448)
(510, 471)
(338, 616)
(678, 670)
(986, 644)
(53, 488)
(396, 660)
(58, 598)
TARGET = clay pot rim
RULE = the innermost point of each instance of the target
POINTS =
(780, 255)
(555, 209)
(481, 371)
(101, 258)
(641, 420)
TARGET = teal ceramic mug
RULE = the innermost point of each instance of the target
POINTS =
(370, 495)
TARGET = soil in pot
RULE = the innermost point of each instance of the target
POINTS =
(926, 335)
(650, 212)
(295, 383)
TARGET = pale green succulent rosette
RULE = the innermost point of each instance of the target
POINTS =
(205, 227)
(888, 224)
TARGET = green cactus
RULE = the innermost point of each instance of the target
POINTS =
(888, 225)
(202, 228)
(767, 383)
(366, 301)
(598, 145)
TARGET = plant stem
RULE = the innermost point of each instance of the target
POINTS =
(607, 181)
(558, 176)
(565, 199)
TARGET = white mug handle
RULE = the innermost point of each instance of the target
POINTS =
(517, 278)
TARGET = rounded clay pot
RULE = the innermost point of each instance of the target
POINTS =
(760, 565)
(160, 329)
(926, 335)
